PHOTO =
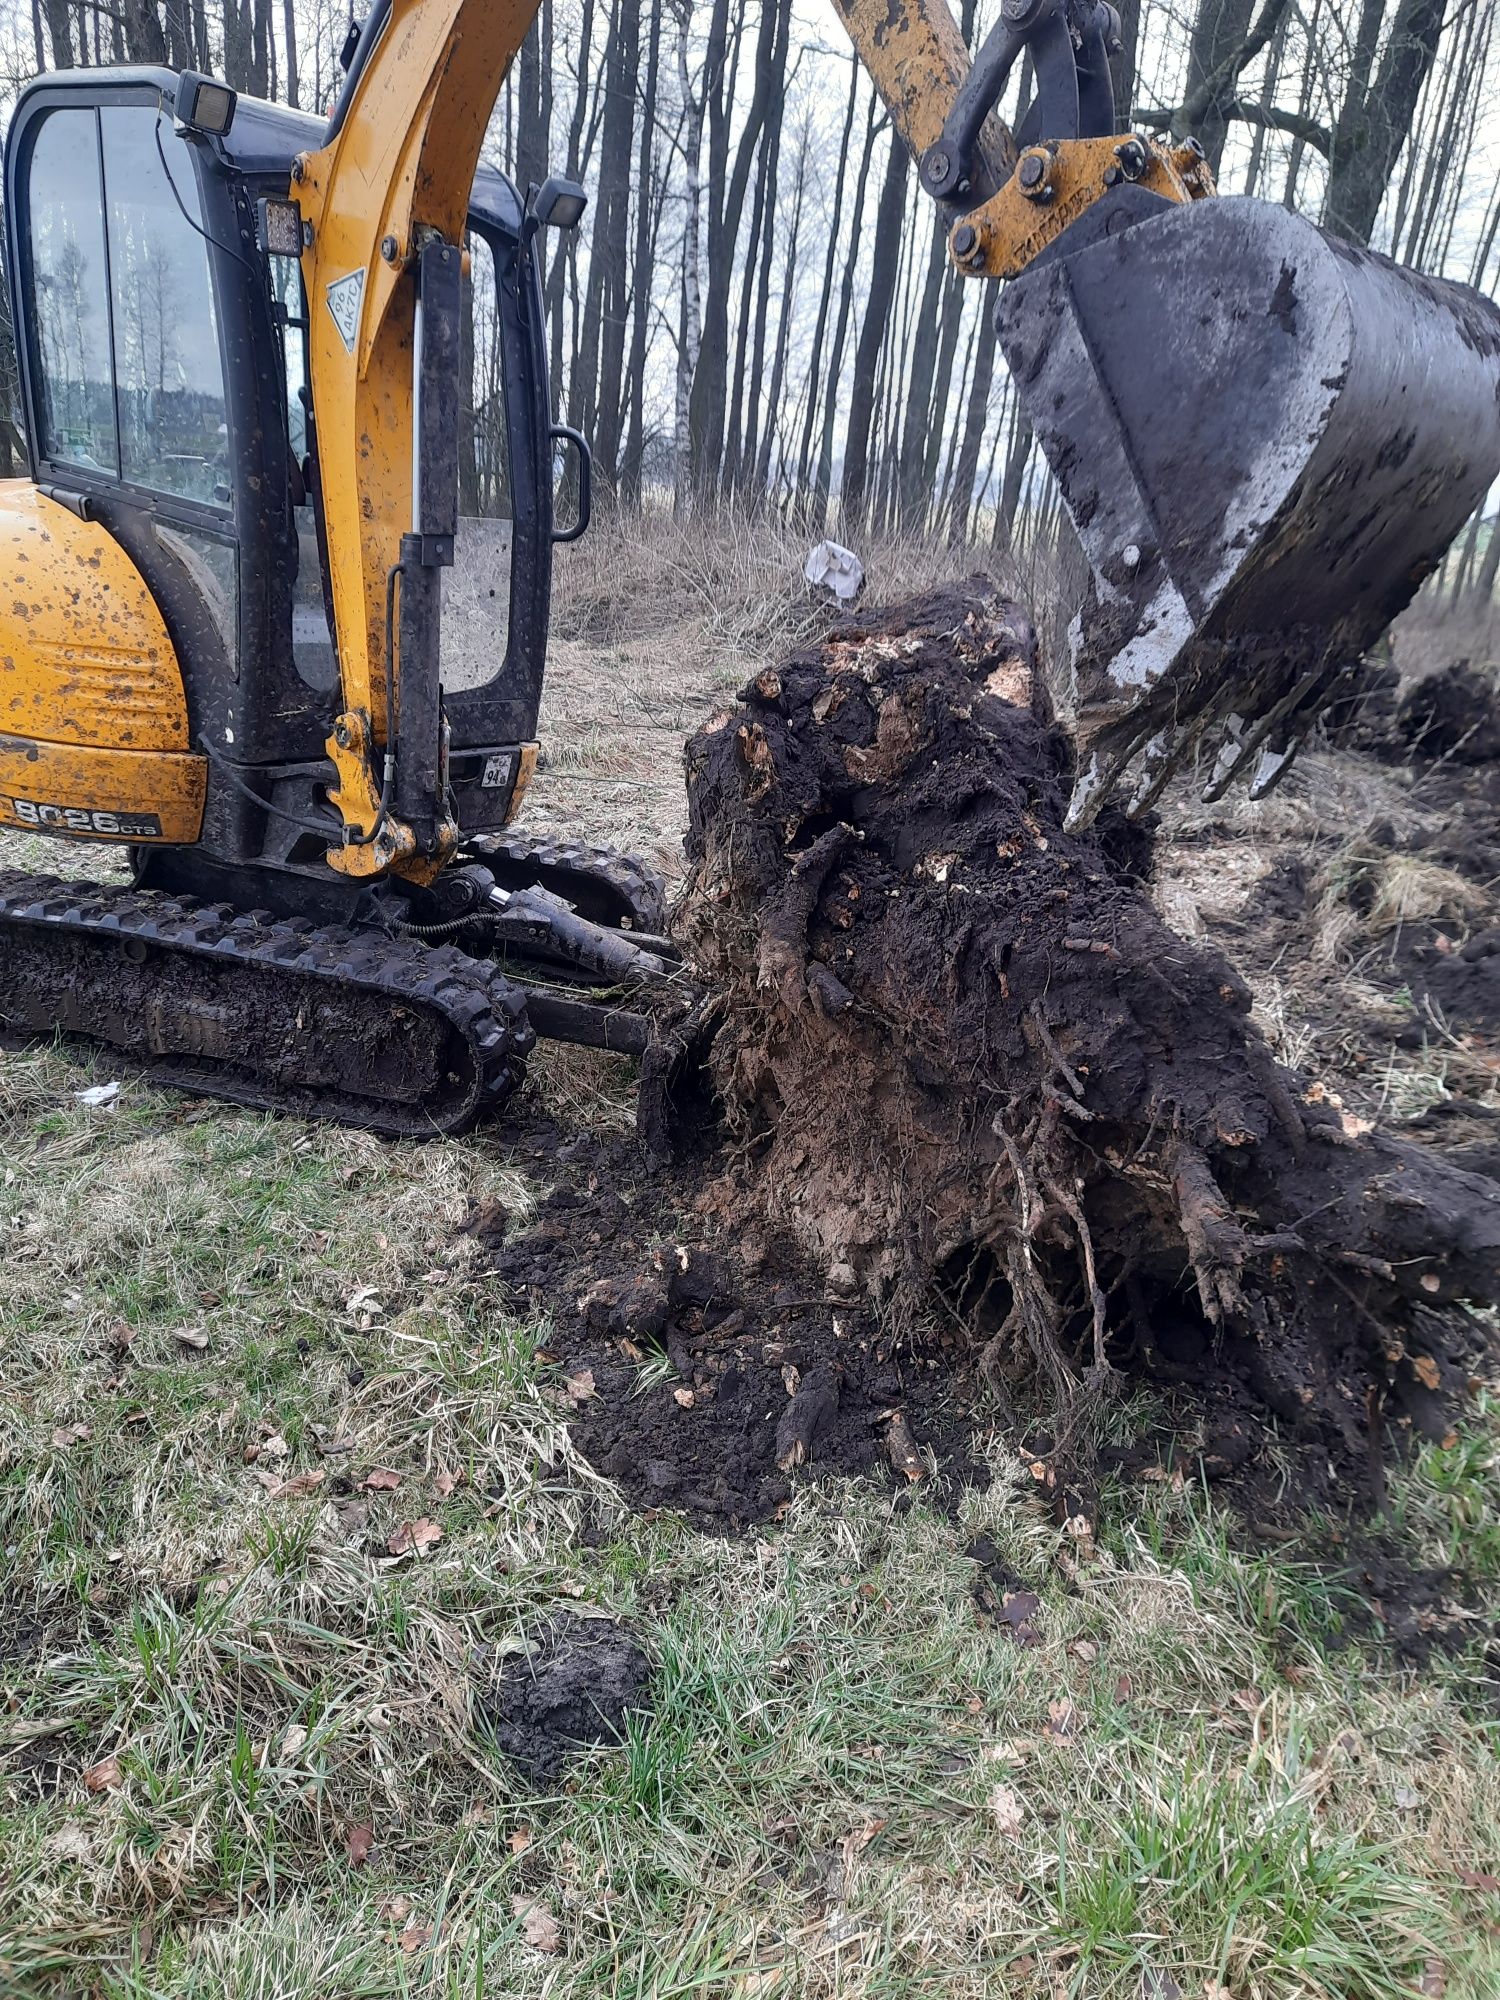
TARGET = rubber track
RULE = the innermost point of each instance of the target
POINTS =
(578, 871)
(483, 1017)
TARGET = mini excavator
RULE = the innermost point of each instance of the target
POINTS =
(275, 604)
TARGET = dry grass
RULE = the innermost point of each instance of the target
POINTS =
(1203, 1778)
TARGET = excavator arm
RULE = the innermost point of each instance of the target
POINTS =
(382, 206)
(1266, 438)
(1011, 195)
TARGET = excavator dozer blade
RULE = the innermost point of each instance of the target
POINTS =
(1266, 438)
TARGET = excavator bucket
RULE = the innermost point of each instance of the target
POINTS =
(1266, 438)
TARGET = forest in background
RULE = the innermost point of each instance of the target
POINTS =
(759, 307)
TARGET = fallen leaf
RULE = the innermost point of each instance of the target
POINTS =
(1406, 1799)
(1063, 1721)
(1434, 1981)
(272, 1447)
(192, 1336)
(445, 1482)
(71, 1434)
(300, 1487)
(381, 1479)
(292, 1739)
(538, 1925)
(1014, 1615)
(358, 1843)
(1473, 1879)
(105, 1776)
(395, 1909)
(415, 1536)
(1085, 1650)
(71, 1842)
(364, 1299)
(1008, 1811)
(520, 1840)
(580, 1386)
(414, 1938)
(102, 1096)
(121, 1335)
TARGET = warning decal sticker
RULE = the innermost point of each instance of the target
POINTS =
(344, 296)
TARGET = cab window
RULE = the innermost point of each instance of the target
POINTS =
(70, 294)
(125, 328)
(476, 591)
(169, 377)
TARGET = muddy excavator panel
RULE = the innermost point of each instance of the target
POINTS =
(1266, 438)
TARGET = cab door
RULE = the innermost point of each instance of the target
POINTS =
(123, 357)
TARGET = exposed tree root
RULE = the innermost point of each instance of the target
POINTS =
(970, 1053)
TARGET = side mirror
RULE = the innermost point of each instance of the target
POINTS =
(556, 204)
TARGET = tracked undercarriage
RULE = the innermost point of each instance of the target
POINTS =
(416, 1022)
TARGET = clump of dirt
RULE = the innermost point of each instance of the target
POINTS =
(965, 1054)
(705, 1362)
(1454, 714)
(573, 1689)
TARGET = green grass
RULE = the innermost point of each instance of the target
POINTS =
(849, 1785)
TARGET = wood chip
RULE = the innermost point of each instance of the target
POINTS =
(901, 1448)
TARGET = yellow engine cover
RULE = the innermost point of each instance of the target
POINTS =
(95, 741)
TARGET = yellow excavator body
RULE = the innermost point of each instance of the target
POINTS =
(94, 733)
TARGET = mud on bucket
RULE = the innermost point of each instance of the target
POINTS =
(1266, 439)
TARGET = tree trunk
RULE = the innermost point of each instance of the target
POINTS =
(1220, 27)
(689, 340)
(1374, 128)
(823, 480)
(643, 273)
(565, 256)
(60, 33)
(888, 233)
(726, 208)
(140, 23)
(534, 112)
(749, 381)
(783, 327)
(966, 469)
(830, 256)
(609, 278)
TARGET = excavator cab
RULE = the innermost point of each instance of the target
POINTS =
(297, 677)
(164, 372)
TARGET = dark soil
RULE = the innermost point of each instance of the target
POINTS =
(1453, 714)
(573, 1690)
(771, 1379)
(968, 1058)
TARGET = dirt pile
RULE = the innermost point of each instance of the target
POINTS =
(573, 1689)
(1454, 713)
(964, 1052)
